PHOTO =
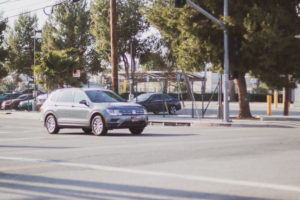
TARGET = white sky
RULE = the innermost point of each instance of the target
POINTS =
(10, 8)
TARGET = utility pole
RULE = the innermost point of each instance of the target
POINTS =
(113, 41)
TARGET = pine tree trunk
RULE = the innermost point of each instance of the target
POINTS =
(244, 112)
(232, 91)
(287, 98)
(165, 89)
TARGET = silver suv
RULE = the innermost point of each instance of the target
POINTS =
(93, 110)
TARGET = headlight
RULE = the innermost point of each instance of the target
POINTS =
(114, 112)
(145, 112)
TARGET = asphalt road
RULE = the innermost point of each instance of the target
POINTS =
(214, 163)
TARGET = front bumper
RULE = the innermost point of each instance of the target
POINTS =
(126, 121)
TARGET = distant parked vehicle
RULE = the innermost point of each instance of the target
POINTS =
(13, 103)
(41, 99)
(93, 110)
(8, 96)
(27, 104)
(157, 102)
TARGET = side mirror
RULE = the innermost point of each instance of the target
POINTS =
(84, 102)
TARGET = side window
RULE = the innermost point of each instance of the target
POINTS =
(54, 96)
(167, 97)
(66, 96)
(157, 98)
(79, 96)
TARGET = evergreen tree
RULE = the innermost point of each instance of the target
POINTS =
(56, 68)
(68, 28)
(131, 24)
(253, 27)
(21, 45)
(3, 52)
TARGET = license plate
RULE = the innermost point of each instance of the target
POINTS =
(135, 119)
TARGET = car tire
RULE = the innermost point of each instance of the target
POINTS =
(87, 130)
(136, 130)
(172, 110)
(51, 124)
(98, 126)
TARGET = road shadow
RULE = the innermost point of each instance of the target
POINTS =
(41, 187)
(146, 135)
(119, 134)
(34, 147)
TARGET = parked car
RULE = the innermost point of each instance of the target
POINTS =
(13, 103)
(27, 104)
(41, 99)
(93, 110)
(8, 96)
(157, 102)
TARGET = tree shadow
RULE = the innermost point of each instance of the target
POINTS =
(27, 184)
(34, 147)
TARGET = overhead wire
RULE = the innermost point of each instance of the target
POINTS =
(9, 1)
(34, 10)
(29, 5)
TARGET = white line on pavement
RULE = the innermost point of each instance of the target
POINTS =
(161, 174)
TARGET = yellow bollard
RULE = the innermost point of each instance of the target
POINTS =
(275, 99)
(269, 102)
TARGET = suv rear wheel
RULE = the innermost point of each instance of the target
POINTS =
(98, 126)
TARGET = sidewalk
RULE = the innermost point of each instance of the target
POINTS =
(258, 110)
(184, 116)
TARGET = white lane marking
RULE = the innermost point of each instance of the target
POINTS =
(162, 174)
(25, 138)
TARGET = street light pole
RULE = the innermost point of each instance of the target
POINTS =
(34, 87)
(34, 79)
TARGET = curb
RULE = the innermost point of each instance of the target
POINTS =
(213, 124)
(280, 119)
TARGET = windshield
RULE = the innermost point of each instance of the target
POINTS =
(98, 96)
(142, 97)
(23, 96)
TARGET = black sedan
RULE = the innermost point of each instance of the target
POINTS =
(157, 102)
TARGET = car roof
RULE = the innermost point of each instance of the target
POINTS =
(83, 89)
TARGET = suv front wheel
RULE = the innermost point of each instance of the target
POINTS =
(98, 126)
(51, 124)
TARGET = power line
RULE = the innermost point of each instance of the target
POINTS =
(37, 9)
(29, 5)
(9, 1)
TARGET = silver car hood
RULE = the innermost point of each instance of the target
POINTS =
(116, 105)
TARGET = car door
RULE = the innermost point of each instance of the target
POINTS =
(80, 109)
(63, 107)
(156, 103)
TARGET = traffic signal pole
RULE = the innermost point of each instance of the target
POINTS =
(226, 66)
(226, 55)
